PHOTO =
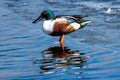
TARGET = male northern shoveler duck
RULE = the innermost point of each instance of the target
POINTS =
(62, 24)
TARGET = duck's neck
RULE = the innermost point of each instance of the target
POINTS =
(50, 15)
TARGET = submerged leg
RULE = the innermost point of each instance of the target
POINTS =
(62, 45)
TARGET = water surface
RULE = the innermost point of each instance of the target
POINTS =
(90, 54)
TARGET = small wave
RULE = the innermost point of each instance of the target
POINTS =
(7, 50)
(92, 4)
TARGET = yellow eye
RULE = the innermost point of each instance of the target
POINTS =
(45, 13)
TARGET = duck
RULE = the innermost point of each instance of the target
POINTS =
(60, 25)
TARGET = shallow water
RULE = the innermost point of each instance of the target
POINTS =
(27, 53)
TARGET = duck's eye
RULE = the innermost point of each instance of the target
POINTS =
(45, 13)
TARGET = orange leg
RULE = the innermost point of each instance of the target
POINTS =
(61, 40)
(62, 45)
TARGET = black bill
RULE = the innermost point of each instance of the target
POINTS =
(37, 20)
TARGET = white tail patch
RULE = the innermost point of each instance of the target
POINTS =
(75, 25)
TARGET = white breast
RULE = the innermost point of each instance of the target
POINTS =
(47, 28)
(49, 24)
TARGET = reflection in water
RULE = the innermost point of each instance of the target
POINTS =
(54, 59)
(20, 41)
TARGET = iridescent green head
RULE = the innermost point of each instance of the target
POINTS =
(47, 14)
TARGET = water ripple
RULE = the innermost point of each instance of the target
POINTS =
(92, 66)
(90, 54)
(55, 58)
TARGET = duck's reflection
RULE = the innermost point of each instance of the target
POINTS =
(58, 52)
(56, 57)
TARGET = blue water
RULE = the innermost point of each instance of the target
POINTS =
(92, 53)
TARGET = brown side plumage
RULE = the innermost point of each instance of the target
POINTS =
(61, 28)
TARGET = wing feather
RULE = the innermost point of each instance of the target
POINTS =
(62, 28)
